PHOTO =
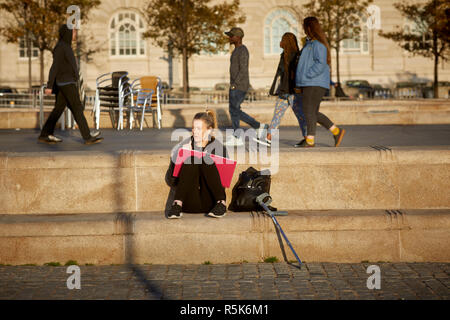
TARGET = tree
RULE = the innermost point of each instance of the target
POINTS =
(40, 20)
(191, 27)
(430, 32)
(340, 19)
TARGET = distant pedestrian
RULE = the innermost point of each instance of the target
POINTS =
(313, 78)
(62, 81)
(283, 87)
(239, 85)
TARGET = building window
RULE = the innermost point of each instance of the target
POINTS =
(126, 35)
(276, 24)
(23, 50)
(358, 43)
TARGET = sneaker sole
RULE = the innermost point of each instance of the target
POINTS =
(233, 144)
(93, 142)
(262, 142)
(175, 217)
(48, 142)
(340, 138)
(214, 216)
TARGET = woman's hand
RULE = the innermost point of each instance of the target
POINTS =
(48, 91)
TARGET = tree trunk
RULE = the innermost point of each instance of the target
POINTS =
(41, 57)
(338, 77)
(436, 65)
(185, 74)
(185, 55)
(435, 82)
(29, 61)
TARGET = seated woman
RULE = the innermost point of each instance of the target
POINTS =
(198, 185)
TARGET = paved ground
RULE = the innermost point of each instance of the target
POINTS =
(25, 140)
(247, 281)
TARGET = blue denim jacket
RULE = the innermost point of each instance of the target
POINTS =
(312, 68)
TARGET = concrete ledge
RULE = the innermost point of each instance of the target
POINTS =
(318, 179)
(333, 236)
(369, 112)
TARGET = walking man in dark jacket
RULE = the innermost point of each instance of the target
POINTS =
(62, 81)
(239, 85)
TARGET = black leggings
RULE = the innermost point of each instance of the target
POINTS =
(199, 187)
(67, 96)
(312, 96)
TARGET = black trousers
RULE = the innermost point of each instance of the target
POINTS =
(199, 187)
(67, 96)
(312, 96)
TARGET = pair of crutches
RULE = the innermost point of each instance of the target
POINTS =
(264, 201)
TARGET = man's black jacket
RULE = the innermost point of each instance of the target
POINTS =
(64, 67)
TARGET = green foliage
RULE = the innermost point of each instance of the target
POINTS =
(52, 264)
(38, 20)
(188, 27)
(429, 32)
(191, 25)
(340, 19)
(71, 263)
(271, 260)
(207, 262)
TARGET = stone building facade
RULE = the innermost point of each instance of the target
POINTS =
(116, 27)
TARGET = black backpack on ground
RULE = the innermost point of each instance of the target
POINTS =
(250, 185)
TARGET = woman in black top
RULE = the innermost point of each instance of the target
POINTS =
(198, 185)
(283, 87)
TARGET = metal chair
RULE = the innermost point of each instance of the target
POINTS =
(140, 102)
(155, 84)
(109, 96)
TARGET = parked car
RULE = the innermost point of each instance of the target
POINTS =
(358, 89)
(8, 96)
(224, 86)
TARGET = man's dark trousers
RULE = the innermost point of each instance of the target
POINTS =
(236, 98)
(67, 96)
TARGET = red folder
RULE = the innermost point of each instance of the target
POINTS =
(225, 166)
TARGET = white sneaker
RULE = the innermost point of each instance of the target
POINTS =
(233, 141)
(95, 133)
(263, 141)
(260, 132)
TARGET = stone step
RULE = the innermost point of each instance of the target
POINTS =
(349, 236)
(316, 179)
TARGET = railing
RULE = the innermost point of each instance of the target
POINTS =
(31, 100)
(211, 97)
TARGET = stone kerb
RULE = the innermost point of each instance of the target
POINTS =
(333, 236)
(134, 181)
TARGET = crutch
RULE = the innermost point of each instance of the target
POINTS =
(264, 201)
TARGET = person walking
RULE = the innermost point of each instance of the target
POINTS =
(313, 78)
(62, 81)
(239, 85)
(283, 87)
(198, 185)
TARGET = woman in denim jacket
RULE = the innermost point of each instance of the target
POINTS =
(313, 77)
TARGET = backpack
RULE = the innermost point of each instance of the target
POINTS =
(250, 185)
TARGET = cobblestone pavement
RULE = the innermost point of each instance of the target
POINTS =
(248, 281)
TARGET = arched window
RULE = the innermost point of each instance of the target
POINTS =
(276, 24)
(358, 43)
(126, 34)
